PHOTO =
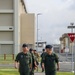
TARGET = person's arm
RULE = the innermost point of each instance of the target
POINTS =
(58, 66)
(30, 66)
(57, 61)
(43, 61)
(38, 55)
(43, 67)
(30, 61)
(35, 64)
(16, 64)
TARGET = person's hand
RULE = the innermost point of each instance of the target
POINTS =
(42, 70)
(16, 67)
(57, 68)
(36, 65)
(30, 69)
(43, 66)
(35, 68)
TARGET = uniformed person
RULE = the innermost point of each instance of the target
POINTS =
(43, 51)
(49, 61)
(24, 59)
(33, 62)
(37, 58)
(42, 57)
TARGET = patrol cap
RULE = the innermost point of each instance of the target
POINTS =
(30, 49)
(24, 45)
(48, 46)
(43, 49)
(34, 50)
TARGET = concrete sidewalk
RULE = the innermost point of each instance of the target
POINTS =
(39, 74)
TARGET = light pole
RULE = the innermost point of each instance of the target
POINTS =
(72, 27)
(37, 29)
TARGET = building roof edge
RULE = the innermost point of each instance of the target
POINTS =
(23, 3)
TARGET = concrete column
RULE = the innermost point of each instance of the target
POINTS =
(67, 45)
(16, 27)
(70, 47)
(62, 45)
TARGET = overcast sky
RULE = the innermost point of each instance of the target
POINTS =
(56, 16)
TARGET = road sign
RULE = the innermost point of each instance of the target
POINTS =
(71, 36)
(71, 26)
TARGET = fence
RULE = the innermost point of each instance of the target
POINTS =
(7, 57)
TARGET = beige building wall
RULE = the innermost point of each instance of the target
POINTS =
(27, 24)
(6, 19)
(13, 15)
(21, 7)
(6, 4)
(6, 26)
(27, 29)
(21, 11)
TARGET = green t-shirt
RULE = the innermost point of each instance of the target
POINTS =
(24, 61)
(50, 61)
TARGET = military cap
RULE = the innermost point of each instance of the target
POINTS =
(30, 49)
(48, 46)
(24, 45)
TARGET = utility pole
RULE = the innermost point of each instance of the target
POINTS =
(72, 27)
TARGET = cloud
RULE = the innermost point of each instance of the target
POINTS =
(72, 7)
(65, 5)
(36, 6)
(56, 16)
(54, 25)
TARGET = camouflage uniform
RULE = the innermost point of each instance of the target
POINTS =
(33, 65)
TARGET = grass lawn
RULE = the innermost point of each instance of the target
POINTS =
(15, 72)
(65, 73)
(8, 71)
